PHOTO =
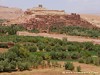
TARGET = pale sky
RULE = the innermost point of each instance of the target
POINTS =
(77, 6)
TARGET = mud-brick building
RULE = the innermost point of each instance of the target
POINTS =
(43, 19)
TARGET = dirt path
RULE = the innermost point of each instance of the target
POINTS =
(61, 36)
(88, 67)
(85, 67)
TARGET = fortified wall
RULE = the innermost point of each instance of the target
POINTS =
(45, 22)
(40, 10)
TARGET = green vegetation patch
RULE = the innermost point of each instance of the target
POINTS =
(33, 52)
(78, 31)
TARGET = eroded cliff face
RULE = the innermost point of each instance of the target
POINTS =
(10, 13)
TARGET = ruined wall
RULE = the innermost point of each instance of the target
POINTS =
(44, 12)
(72, 16)
(44, 22)
(49, 12)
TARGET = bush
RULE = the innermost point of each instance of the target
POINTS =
(78, 68)
(7, 66)
(3, 45)
(89, 60)
(12, 30)
(1, 66)
(32, 48)
(75, 55)
(96, 61)
(72, 48)
(69, 66)
(55, 64)
(34, 31)
(76, 30)
(65, 39)
(81, 60)
(24, 66)
(99, 53)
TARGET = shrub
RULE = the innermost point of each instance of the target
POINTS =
(32, 48)
(12, 30)
(69, 66)
(1, 66)
(65, 39)
(75, 55)
(48, 48)
(7, 66)
(76, 30)
(55, 64)
(89, 60)
(81, 60)
(3, 45)
(24, 66)
(72, 48)
(35, 31)
(43, 64)
(96, 61)
(99, 53)
(78, 68)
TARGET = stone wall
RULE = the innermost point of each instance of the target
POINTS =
(49, 12)
(45, 12)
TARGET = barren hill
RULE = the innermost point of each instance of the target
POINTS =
(94, 19)
(10, 13)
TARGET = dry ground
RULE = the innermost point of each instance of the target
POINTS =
(3, 50)
(61, 36)
(59, 71)
(10, 13)
(92, 18)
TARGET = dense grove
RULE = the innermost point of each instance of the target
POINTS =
(32, 52)
(10, 30)
(78, 31)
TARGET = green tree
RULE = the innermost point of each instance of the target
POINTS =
(69, 66)
(32, 48)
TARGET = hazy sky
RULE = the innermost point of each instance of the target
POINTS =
(78, 6)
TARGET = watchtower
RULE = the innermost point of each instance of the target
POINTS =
(40, 6)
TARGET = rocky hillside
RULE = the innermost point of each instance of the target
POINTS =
(10, 13)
